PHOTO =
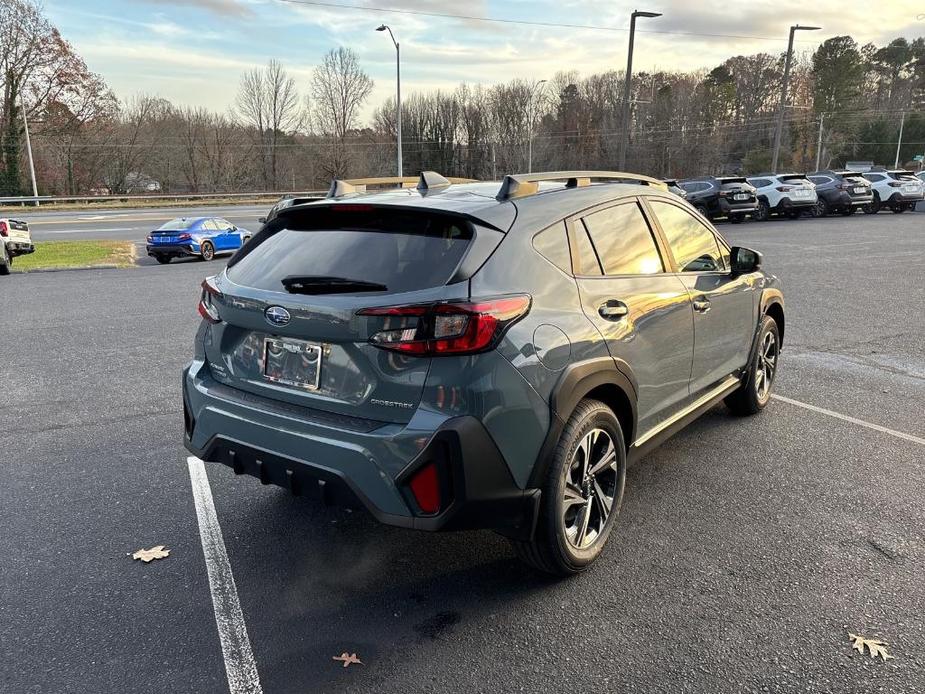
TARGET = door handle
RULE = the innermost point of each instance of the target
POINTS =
(702, 304)
(613, 310)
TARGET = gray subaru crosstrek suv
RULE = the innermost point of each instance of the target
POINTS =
(480, 355)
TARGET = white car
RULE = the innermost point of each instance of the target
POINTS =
(897, 189)
(788, 195)
(15, 240)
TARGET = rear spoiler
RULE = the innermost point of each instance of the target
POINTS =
(732, 179)
(791, 177)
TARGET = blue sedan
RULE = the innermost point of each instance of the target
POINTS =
(204, 237)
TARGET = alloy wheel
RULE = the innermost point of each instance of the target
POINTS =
(590, 485)
(766, 365)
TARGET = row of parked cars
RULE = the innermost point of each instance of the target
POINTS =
(792, 194)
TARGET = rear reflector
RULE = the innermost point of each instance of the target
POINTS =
(455, 328)
(425, 485)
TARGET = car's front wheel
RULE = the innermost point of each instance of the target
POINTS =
(581, 495)
(762, 212)
(207, 250)
(873, 207)
(821, 209)
(755, 391)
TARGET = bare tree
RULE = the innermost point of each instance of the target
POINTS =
(339, 88)
(268, 102)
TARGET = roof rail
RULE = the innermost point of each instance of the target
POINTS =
(522, 185)
(428, 180)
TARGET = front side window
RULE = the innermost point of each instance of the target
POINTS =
(694, 246)
(623, 241)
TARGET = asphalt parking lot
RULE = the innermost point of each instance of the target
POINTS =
(746, 551)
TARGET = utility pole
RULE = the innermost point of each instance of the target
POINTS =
(902, 121)
(819, 141)
(530, 117)
(783, 94)
(25, 122)
(627, 84)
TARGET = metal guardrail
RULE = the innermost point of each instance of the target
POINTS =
(26, 200)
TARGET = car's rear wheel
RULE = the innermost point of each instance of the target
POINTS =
(702, 209)
(898, 209)
(821, 209)
(6, 261)
(763, 211)
(162, 259)
(755, 391)
(207, 250)
(873, 207)
(581, 495)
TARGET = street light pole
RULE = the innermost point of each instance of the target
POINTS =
(530, 116)
(25, 123)
(902, 122)
(783, 93)
(627, 83)
(385, 27)
(819, 142)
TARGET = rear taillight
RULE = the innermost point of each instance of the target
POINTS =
(4, 229)
(446, 328)
(895, 184)
(184, 237)
(207, 307)
(784, 189)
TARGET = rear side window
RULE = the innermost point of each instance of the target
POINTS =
(874, 177)
(623, 241)
(552, 244)
(693, 245)
(586, 261)
(820, 180)
(404, 251)
(760, 182)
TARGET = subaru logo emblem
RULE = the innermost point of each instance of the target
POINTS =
(277, 315)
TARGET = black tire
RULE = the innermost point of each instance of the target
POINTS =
(873, 207)
(162, 259)
(821, 209)
(751, 397)
(702, 209)
(206, 251)
(793, 214)
(898, 209)
(848, 211)
(6, 263)
(762, 212)
(553, 549)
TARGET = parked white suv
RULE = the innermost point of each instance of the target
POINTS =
(896, 189)
(788, 195)
(15, 240)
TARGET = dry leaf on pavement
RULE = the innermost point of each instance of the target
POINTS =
(875, 647)
(348, 658)
(146, 555)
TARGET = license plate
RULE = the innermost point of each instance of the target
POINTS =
(860, 190)
(740, 196)
(292, 362)
(911, 189)
(801, 193)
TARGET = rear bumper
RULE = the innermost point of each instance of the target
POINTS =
(727, 207)
(171, 249)
(901, 198)
(360, 467)
(15, 248)
(844, 199)
(802, 204)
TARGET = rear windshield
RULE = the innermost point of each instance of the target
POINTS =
(402, 251)
(177, 224)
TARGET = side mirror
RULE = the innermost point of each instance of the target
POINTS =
(744, 260)
(262, 220)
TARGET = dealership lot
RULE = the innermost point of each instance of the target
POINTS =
(745, 553)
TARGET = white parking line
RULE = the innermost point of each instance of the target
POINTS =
(852, 420)
(89, 231)
(240, 666)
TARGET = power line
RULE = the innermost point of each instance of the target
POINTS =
(527, 22)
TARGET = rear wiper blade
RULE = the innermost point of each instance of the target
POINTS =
(319, 284)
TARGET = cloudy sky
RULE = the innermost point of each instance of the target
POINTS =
(194, 51)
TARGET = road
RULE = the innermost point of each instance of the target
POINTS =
(129, 224)
(746, 551)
